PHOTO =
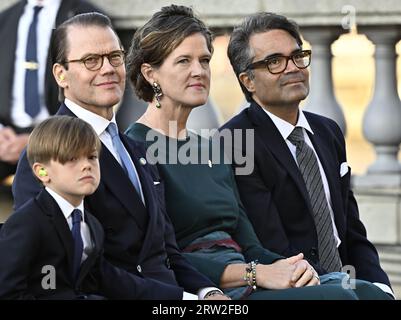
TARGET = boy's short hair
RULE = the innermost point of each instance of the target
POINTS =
(61, 138)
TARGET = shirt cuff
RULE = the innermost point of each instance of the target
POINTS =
(189, 296)
(385, 288)
(203, 292)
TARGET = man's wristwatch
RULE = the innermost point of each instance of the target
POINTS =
(212, 293)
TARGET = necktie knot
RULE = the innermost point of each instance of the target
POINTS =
(112, 130)
(296, 136)
(76, 216)
(36, 10)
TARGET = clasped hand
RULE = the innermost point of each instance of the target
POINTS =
(293, 272)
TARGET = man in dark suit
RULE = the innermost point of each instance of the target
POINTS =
(15, 122)
(129, 202)
(51, 248)
(298, 195)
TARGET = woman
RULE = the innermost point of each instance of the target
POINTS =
(168, 64)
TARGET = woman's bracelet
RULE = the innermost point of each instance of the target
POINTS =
(250, 275)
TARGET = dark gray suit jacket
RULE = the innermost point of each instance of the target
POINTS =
(277, 202)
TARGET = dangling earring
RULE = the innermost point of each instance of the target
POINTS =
(158, 93)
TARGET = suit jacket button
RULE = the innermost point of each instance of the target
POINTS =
(139, 268)
(313, 251)
(168, 263)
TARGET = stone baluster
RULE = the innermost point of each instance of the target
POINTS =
(382, 119)
(321, 98)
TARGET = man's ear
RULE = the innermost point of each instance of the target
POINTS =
(60, 74)
(40, 171)
(246, 81)
(148, 73)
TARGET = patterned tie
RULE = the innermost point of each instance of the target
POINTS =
(31, 97)
(308, 165)
(126, 163)
(78, 243)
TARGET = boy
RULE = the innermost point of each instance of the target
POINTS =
(51, 248)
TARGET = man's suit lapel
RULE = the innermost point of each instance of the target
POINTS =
(128, 196)
(273, 140)
(147, 189)
(114, 177)
(331, 169)
(145, 179)
(64, 111)
(53, 211)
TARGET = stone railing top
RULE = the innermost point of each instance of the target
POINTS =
(129, 14)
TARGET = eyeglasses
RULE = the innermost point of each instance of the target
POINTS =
(94, 62)
(278, 63)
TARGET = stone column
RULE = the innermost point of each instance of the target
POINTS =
(381, 123)
(378, 192)
(321, 98)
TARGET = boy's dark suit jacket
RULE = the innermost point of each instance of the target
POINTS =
(278, 204)
(138, 239)
(37, 235)
(9, 20)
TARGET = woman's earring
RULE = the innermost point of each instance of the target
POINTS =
(158, 93)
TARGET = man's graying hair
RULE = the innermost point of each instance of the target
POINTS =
(239, 52)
